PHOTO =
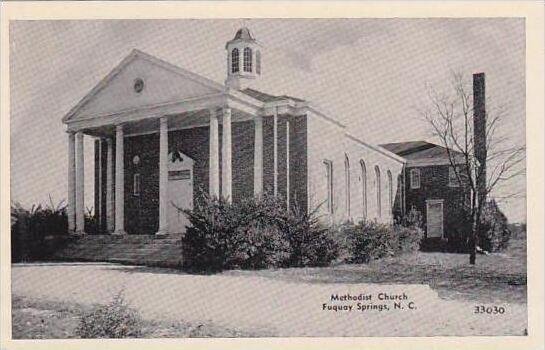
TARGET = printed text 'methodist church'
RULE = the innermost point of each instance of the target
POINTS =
(164, 135)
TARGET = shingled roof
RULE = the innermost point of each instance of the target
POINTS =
(422, 153)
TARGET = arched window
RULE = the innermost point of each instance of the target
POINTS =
(364, 188)
(390, 192)
(378, 191)
(329, 182)
(347, 183)
(399, 193)
(234, 61)
(258, 62)
(247, 59)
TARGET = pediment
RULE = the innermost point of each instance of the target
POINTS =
(140, 81)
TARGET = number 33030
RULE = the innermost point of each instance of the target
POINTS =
(492, 310)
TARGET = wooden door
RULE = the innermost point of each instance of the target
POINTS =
(434, 218)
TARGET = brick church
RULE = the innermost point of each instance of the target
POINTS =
(165, 135)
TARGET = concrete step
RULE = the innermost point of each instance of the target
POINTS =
(139, 250)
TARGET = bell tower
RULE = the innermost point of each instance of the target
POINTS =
(243, 60)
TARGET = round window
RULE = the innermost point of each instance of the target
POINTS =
(138, 85)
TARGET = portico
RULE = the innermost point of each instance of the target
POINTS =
(209, 115)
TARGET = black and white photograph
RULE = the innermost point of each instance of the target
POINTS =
(250, 177)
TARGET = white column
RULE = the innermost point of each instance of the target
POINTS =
(71, 202)
(275, 151)
(80, 185)
(163, 176)
(258, 156)
(287, 164)
(100, 189)
(226, 168)
(109, 186)
(119, 182)
(214, 176)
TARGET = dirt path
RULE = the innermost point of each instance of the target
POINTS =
(263, 304)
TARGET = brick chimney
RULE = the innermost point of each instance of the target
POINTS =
(479, 131)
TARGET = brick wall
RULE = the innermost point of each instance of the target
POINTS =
(298, 161)
(298, 158)
(243, 135)
(434, 185)
(142, 211)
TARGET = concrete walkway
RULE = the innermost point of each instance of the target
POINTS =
(265, 305)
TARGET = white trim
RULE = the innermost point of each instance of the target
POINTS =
(415, 171)
(390, 181)
(378, 190)
(364, 190)
(330, 185)
(136, 176)
(147, 112)
(124, 63)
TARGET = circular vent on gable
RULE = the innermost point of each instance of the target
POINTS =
(138, 85)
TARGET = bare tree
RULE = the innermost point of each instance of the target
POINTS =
(479, 166)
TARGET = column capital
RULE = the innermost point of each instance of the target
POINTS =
(163, 119)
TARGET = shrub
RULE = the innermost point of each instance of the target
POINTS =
(311, 242)
(38, 231)
(411, 219)
(410, 231)
(410, 238)
(494, 234)
(225, 235)
(370, 240)
(114, 320)
(254, 233)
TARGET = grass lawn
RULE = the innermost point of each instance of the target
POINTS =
(33, 319)
(498, 277)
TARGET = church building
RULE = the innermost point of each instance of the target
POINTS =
(164, 136)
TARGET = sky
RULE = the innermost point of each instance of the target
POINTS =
(371, 74)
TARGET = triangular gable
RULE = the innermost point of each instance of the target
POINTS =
(162, 83)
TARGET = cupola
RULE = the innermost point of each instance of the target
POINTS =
(243, 60)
